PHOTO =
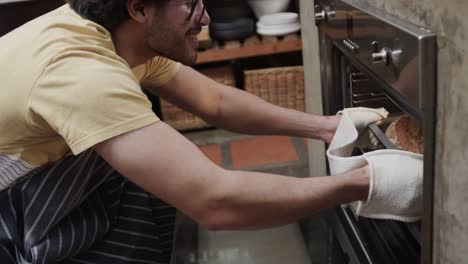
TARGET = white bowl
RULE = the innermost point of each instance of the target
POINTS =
(278, 30)
(265, 7)
(262, 26)
(279, 18)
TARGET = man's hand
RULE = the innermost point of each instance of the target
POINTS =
(396, 177)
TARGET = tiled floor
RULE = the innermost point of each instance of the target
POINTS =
(261, 151)
(213, 152)
(241, 152)
(274, 154)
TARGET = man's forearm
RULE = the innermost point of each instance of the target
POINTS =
(257, 200)
(169, 166)
(243, 112)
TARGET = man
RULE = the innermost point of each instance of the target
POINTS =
(71, 94)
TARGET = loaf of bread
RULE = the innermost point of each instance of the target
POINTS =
(406, 134)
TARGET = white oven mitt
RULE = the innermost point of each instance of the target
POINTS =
(395, 176)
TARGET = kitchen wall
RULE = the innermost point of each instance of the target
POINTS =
(448, 19)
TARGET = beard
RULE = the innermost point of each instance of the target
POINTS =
(165, 41)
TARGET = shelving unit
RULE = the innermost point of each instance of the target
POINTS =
(251, 47)
(222, 54)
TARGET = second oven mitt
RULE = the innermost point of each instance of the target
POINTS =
(395, 190)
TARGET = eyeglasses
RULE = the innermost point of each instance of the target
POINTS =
(198, 10)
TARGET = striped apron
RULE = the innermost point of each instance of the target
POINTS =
(80, 210)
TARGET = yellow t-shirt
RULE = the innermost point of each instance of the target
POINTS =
(63, 88)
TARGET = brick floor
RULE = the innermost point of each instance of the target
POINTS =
(213, 152)
(259, 151)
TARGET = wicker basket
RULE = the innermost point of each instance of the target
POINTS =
(283, 86)
(179, 119)
(182, 120)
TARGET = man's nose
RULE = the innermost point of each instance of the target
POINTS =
(205, 19)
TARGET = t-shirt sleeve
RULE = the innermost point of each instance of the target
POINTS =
(87, 99)
(159, 71)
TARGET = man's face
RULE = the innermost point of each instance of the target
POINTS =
(172, 36)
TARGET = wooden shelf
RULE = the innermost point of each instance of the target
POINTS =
(251, 47)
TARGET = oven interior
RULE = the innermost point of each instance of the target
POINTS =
(360, 90)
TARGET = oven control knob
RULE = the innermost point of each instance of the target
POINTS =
(380, 56)
(385, 55)
(323, 15)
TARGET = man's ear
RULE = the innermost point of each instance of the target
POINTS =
(138, 11)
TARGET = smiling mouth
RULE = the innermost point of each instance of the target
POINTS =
(193, 35)
(193, 40)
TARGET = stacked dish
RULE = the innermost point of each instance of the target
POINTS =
(230, 20)
(278, 24)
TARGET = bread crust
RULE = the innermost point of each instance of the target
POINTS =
(406, 134)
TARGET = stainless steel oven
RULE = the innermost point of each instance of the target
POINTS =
(371, 59)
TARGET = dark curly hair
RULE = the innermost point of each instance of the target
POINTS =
(111, 13)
